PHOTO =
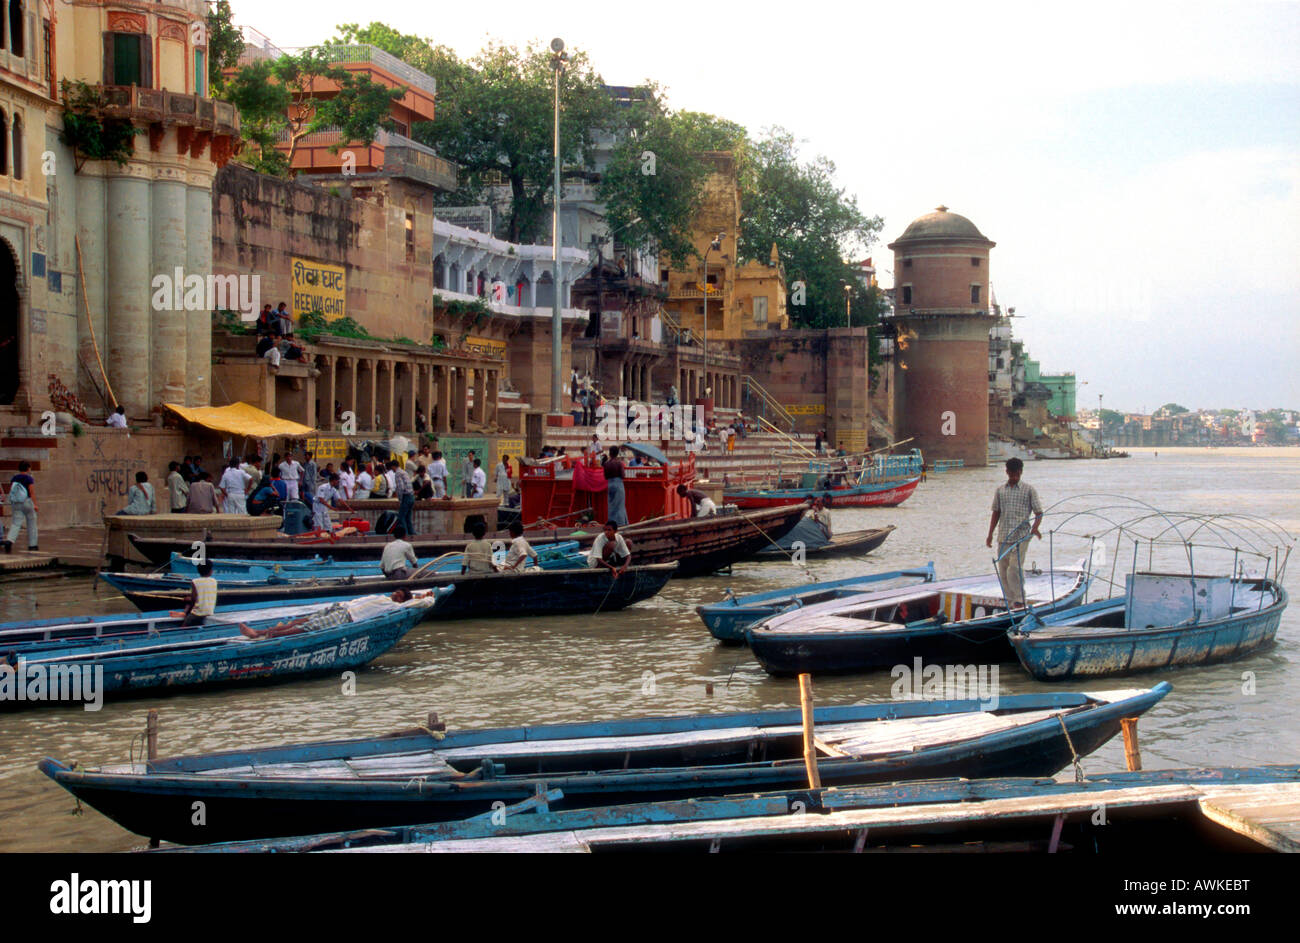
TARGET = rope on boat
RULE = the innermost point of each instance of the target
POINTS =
(436, 734)
(789, 556)
(1074, 754)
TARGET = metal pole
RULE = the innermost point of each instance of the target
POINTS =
(704, 292)
(557, 328)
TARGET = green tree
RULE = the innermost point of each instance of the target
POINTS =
(495, 115)
(1111, 419)
(653, 185)
(225, 44)
(1172, 409)
(815, 226)
(89, 134)
(276, 103)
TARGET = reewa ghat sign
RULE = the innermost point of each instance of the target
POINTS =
(319, 286)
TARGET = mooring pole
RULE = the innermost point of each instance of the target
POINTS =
(1132, 756)
(809, 747)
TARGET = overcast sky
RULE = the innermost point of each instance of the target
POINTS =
(1137, 164)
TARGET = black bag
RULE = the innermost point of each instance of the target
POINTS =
(387, 521)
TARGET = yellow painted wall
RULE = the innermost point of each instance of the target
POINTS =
(172, 66)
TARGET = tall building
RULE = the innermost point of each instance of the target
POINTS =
(942, 318)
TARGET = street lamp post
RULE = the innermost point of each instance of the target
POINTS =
(557, 328)
(848, 316)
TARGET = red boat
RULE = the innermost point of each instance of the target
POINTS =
(875, 494)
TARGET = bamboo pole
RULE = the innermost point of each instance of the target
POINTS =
(85, 300)
(809, 747)
(1132, 756)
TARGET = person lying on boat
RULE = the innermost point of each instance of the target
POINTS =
(341, 613)
(478, 552)
(821, 515)
(610, 550)
(701, 502)
(397, 554)
(203, 597)
(520, 550)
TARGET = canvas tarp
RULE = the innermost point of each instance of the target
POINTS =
(240, 419)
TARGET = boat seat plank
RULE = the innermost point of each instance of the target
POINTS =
(1268, 813)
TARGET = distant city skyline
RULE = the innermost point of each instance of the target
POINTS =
(1137, 165)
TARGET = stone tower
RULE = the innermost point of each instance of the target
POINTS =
(941, 312)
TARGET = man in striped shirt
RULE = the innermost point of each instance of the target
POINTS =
(1012, 505)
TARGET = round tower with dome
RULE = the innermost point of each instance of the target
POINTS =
(942, 316)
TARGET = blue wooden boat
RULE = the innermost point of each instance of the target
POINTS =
(549, 556)
(1235, 618)
(743, 817)
(207, 657)
(427, 776)
(951, 621)
(478, 595)
(728, 620)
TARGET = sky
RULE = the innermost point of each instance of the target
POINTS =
(1137, 164)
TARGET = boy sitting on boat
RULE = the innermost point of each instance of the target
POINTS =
(610, 550)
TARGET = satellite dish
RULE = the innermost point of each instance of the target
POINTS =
(557, 45)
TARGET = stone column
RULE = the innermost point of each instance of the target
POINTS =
(426, 394)
(346, 383)
(128, 261)
(169, 333)
(198, 324)
(460, 400)
(480, 395)
(91, 195)
(444, 399)
(493, 409)
(409, 395)
(325, 392)
(384, 394)
(365, 396)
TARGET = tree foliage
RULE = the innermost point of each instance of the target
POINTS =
(653, 185)
(816, 226)
(1110, 418)
(1172, 409)
(225, 44)
(88, 133)
(495, 116)
(275, 100)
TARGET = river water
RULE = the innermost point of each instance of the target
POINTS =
(657, 658)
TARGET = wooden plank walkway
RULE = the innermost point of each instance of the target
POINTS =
(1266, 813)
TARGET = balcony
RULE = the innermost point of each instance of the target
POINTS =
(389, 153)
(688, 293)
(170, 109)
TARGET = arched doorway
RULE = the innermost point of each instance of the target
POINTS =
(9, 314)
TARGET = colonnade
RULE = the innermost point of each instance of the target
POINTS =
(382, 393)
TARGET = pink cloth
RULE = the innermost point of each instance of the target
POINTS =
(588, 479)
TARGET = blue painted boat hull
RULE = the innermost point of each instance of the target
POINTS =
(228, 659)
(1053, 653)
(159, 804)
(727, 621)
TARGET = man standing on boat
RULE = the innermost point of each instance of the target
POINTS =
(1012, 505)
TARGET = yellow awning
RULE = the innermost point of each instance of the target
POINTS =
(240, 419)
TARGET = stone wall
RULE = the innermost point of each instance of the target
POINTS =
(261, 224)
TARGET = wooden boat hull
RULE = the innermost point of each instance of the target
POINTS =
(235, 660)
(876, 495)
(1055, 653)
(979, 640)
(728, 621)
(487, 595)
(697, 545)
(531, 819)
(850, 543)
(159, 803)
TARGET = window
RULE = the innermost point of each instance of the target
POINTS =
(410, 237)
(974, 260)
(663, 275)
(16, 27)
(907, 263)
(128, 60)
(48, 39)
(974, 294)
(760, 311)
(200, 72)
(907, 294)
(18, 147)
